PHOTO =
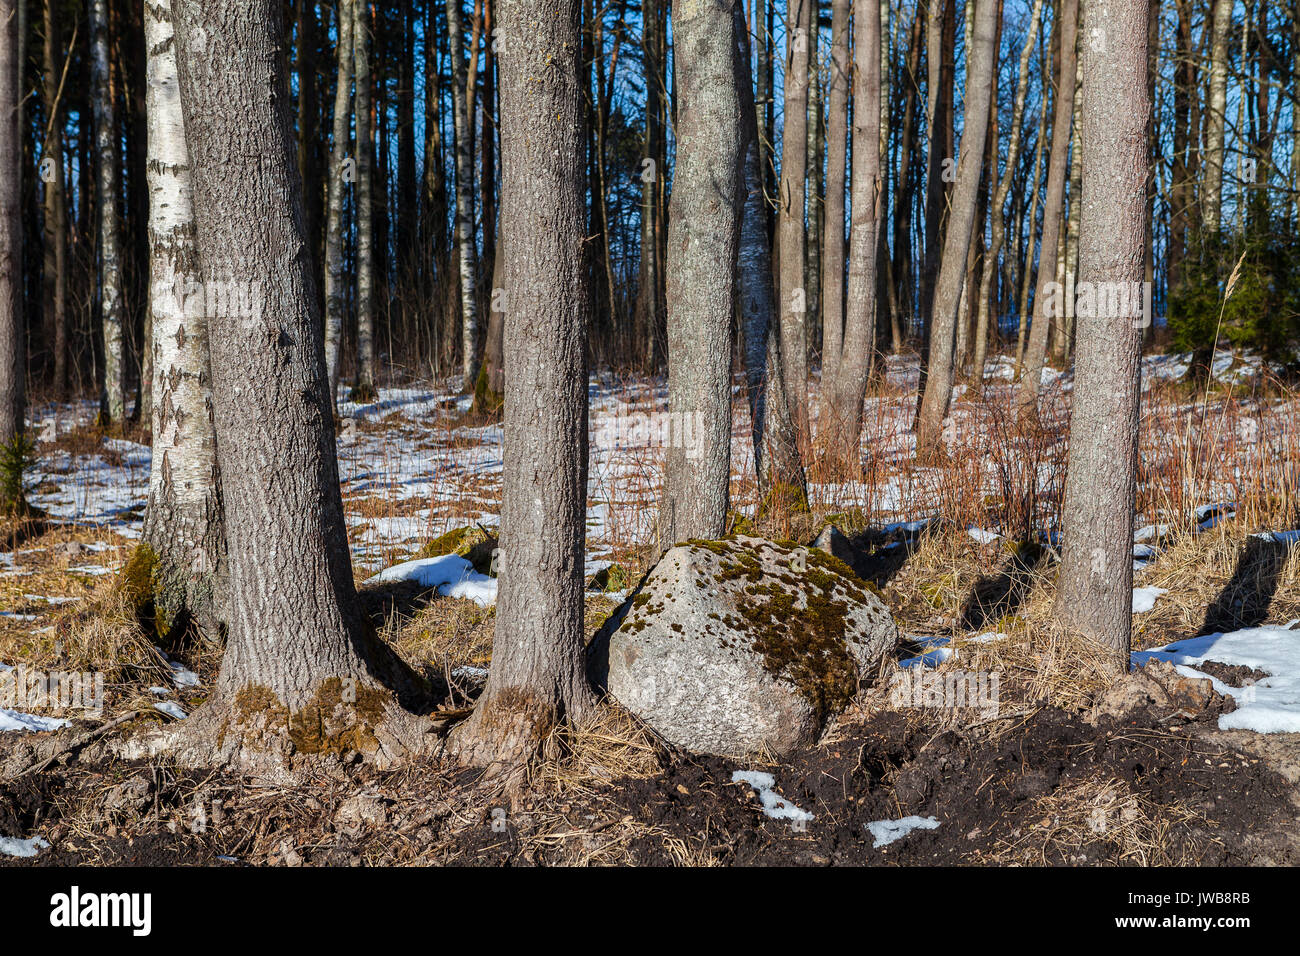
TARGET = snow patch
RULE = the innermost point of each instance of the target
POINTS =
(774, 805)
(887, 831)
(12, 846)
(450, 574)
(1144, 599)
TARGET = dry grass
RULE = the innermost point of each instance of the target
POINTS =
(1099, 819)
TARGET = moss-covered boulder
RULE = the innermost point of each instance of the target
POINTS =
(744, 645)
(471, 543)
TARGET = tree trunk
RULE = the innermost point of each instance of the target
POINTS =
(989, 270)
(183, 522)
(366, 245)
(464, 198)
(793, 235)
(537, 676)
(860, 321)
(654, 168)
(952, 269)
(55, 218)
(704, 224)
(1096, 579)
(12, 344)
(302, 670)
(1063, 114)
(1212, 195)
(832, 299)
(777, 463)
(342, 173)
(1030, 227)
(111, 307)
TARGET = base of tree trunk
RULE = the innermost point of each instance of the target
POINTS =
(507, 731)
(258, 736)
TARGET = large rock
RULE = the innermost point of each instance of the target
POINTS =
(740, 646)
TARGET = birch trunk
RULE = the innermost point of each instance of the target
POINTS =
(183, 522)
(1212, 196)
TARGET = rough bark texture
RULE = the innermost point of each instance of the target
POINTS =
(704, 224)
(183, 522)
(465, 248)
(340, 178)
(301, 663)
(860, 323)
(952, 270)
(111, 307)
(1063, 116)
(777, 462)
(537, 676)
(1096, 579)
(793, 238)
(12, 347)
(837, 102)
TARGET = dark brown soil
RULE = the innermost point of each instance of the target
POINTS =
(1052, 790)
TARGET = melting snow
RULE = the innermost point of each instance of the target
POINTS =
(1270, 705)
(1144, 599)
(774, 805)
(451, 574)
(12, 846)
(16, 720)
(887, 831)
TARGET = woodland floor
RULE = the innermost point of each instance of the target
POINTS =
(1036, 784)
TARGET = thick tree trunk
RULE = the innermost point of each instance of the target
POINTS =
(1096, 579)
(465, 247)
(777, 463)
(860, 321)
(342, 173)
(832, 299)
(302, 671)
(1212, 194)
(12, 343)
(792, 232)
(989, 270)
(183, 523)
(112, 309)
(1063, 115)
(952, 269)
(704, 224)
(367, 274)
(537, 676)
(54, 269)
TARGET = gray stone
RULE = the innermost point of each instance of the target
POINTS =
(743, 646)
